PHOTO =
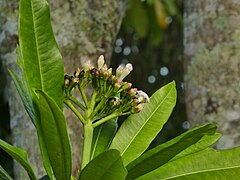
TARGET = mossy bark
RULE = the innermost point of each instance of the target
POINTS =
(212, 66)
(84, 30)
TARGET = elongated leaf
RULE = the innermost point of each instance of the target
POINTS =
(138, 131)
(20, 155)
(24, 95)
(102, 137)
(55, 136)
(163, 153)
(206, 164)
(44, 153)
(107, 165)
(42, 61)
(4, 175)
(28, 104)
(203, 143)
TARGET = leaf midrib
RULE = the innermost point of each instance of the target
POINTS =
(37, 48)
(109, 167)
(62, 144)
(146, 122)
(203, 171)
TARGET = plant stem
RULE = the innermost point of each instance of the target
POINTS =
(77, 102)
(107, 118)
(98, 107)
(83, 94)
(91, 105)
(80, 117)
(87, 144)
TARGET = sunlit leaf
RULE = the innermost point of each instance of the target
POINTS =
(107, 165)
(55, 135)
(206, 164)
(137, 132)
(187, 143)
(41, 59)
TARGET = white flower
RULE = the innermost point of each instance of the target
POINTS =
(142, 96)
(122, 71)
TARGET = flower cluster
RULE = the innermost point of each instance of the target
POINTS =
(110, 93)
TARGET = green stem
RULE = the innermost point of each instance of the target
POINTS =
(75, 111)
(105, 119)
(75, 101)
(83, 94)
(99, 106)
(87, 144)
(92, 103)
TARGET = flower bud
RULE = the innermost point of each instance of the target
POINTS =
(117, 86)
(109, 81)
(126, 85)
(81, 74)
(114, 79)
(77, 72)
(123, 71)
(66, 83)
(138, 108)
(75, 81)
(132, 92)
(104, 67)
(129, 67)
(100, 62)
(134, 102)
(87, 66)
(119, 71)
(94, 72)
(109, 72)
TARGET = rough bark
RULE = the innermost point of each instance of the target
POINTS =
(84, 30)
(212, 66)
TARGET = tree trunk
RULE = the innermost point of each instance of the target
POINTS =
(212, 66)
(84, 30)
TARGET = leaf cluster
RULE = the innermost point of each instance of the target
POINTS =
(107, 153)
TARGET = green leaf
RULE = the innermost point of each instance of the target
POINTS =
(206, 164)
(107, 165)
(42, 61)
(44, 153)
(138, 131)
(102, 137)
(28, 104)
(55, 135)
(4, 175)
(187, 143)
(206, 141)
(24, 95)
(20, 155)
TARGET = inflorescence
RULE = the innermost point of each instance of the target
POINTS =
(110, 93)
